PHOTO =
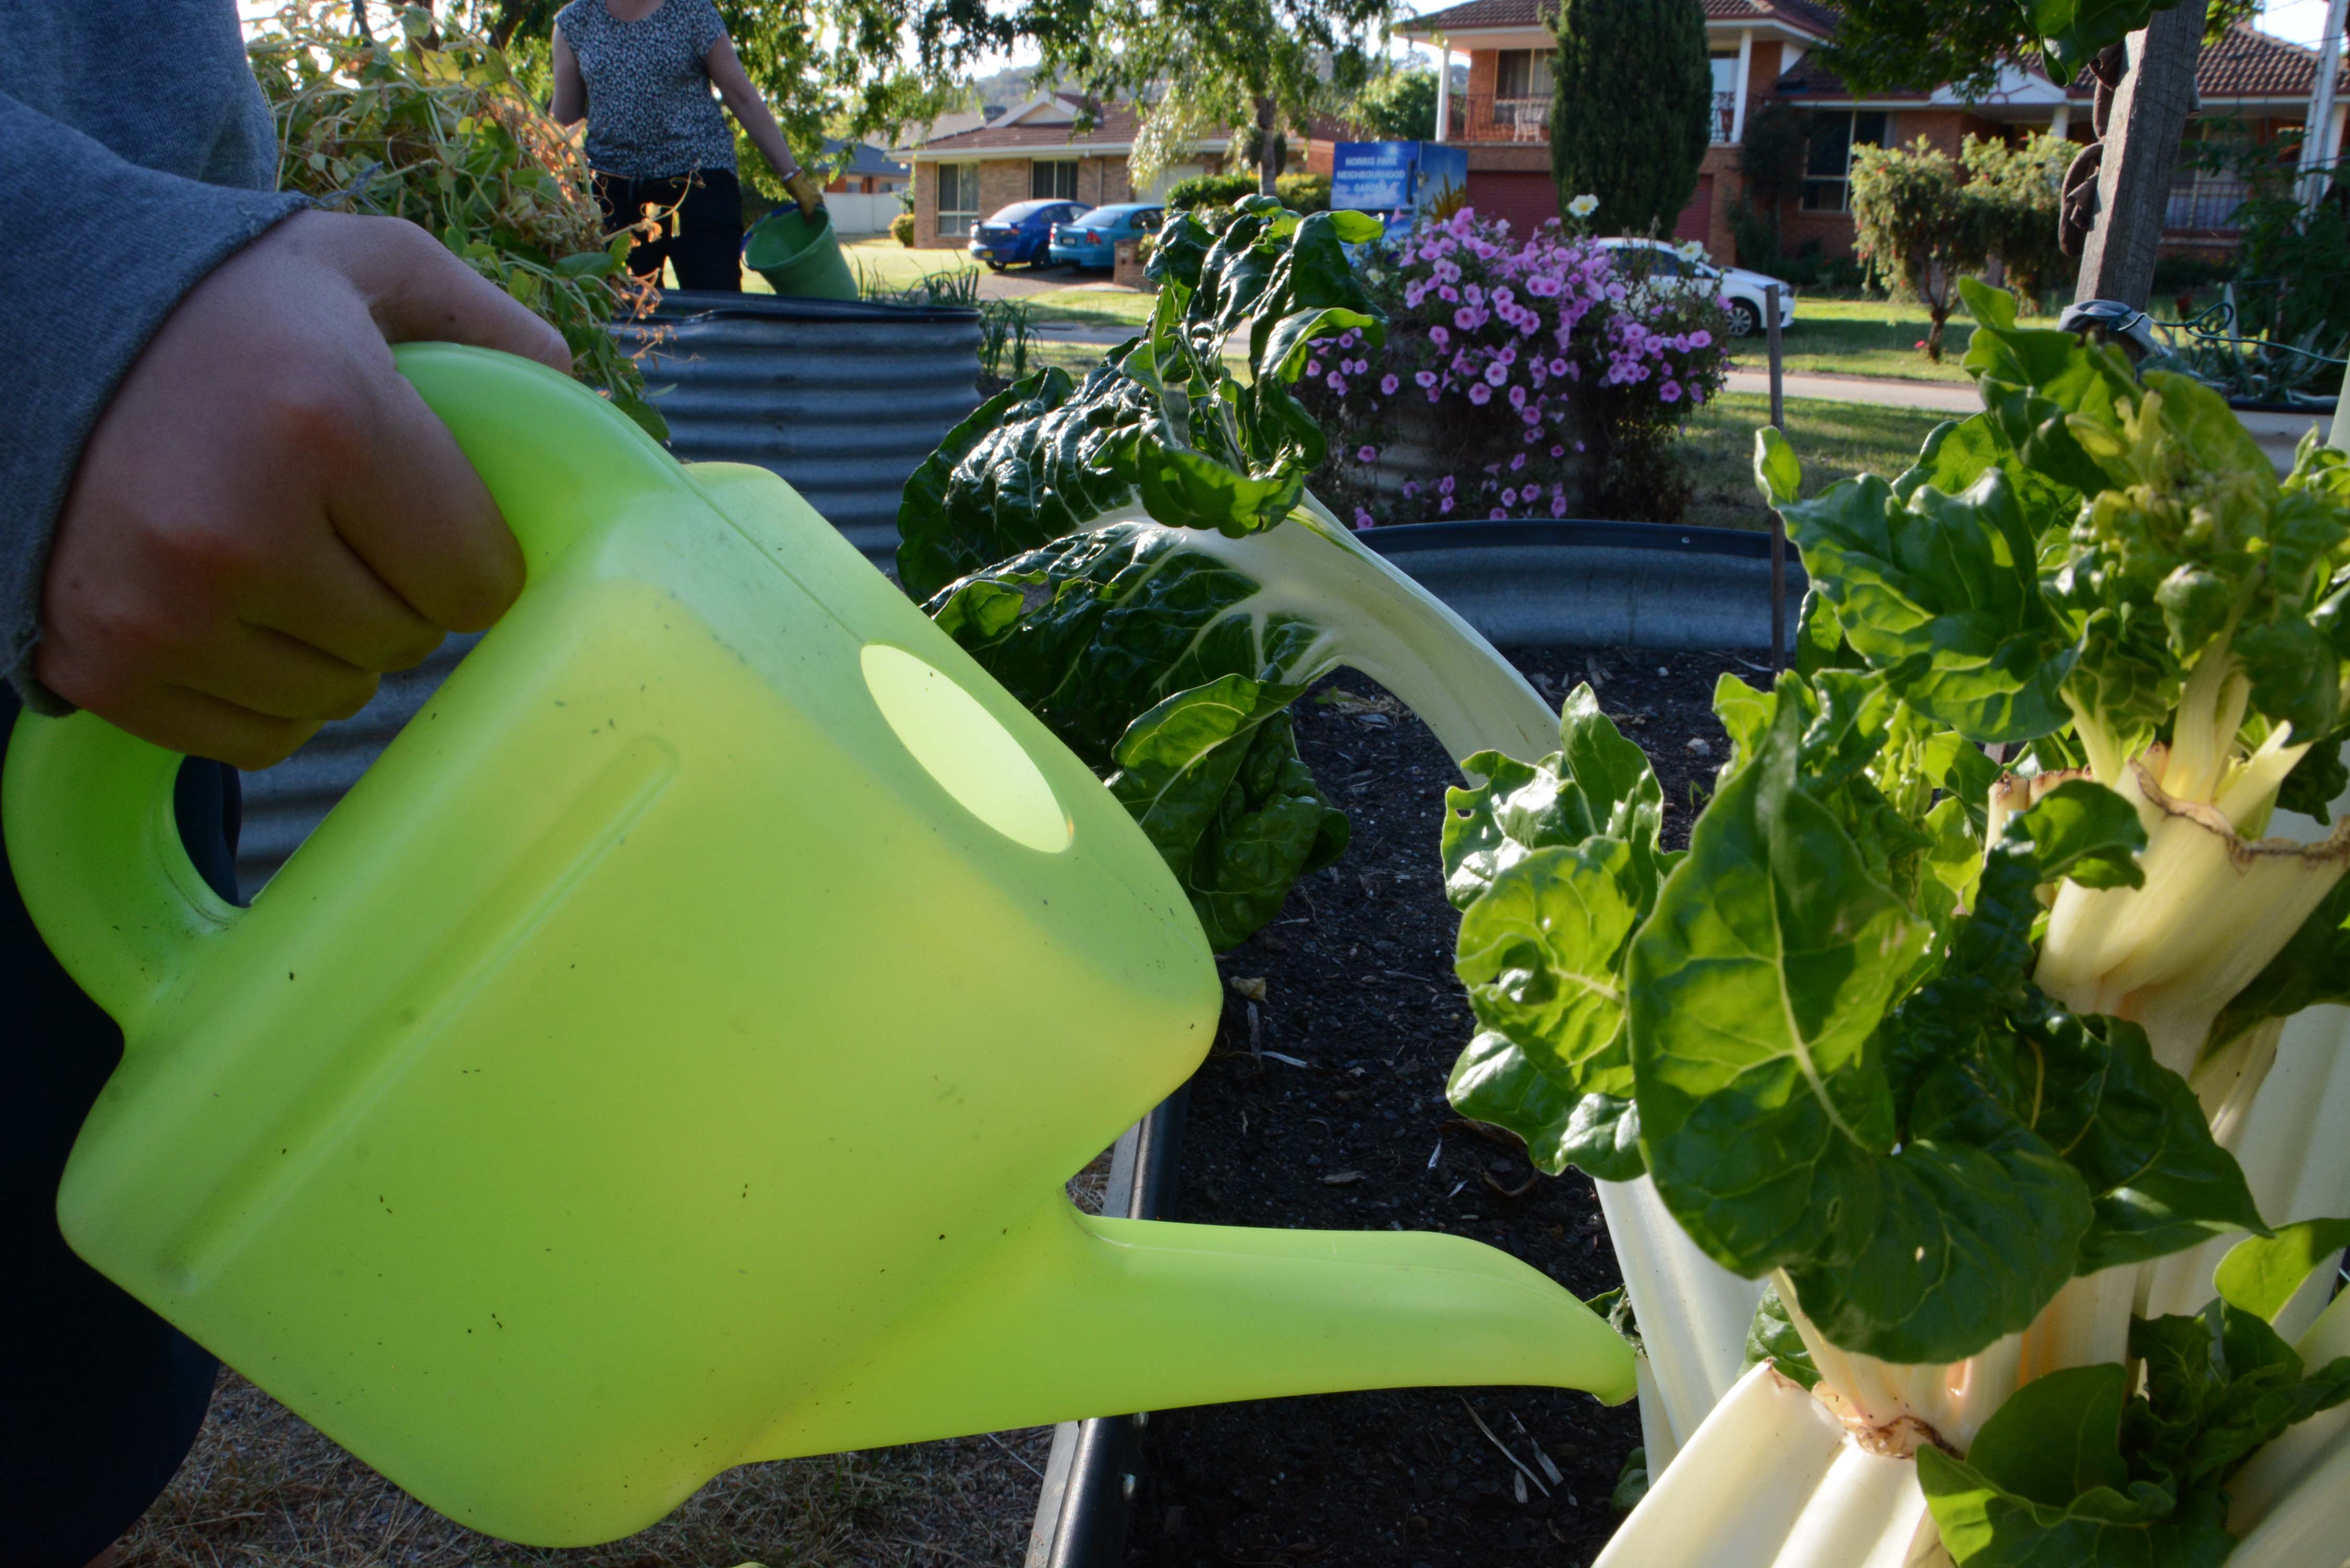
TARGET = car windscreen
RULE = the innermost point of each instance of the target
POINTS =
(1020, 212)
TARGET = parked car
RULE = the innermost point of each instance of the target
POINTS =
(1092, 238)
(1675, 267)
(1022, 232)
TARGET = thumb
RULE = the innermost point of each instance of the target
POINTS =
(418, 292)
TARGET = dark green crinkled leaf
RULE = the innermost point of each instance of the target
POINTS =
(1163, 426)
(1757, 990)
(1493, 1082)
(2044, 1486)
(2219, 1386)
(1941, 592)
(1598, 783)
(1772, 1337)
(1214, 777)
(1541, 952)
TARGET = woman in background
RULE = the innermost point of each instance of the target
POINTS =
(640, 72)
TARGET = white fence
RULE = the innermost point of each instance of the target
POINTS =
(855, 213)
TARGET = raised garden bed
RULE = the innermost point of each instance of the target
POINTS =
(1357, 981)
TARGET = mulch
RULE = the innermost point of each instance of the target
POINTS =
(1358, 984)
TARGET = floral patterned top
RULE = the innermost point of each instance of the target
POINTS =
(650, 113)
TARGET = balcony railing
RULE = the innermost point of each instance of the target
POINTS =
(2201, 203)
(1485, 117)
(1489, 116)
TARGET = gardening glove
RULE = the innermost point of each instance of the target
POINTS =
(802, 189)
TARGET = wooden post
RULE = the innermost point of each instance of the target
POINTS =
(1778, 524)
(2141, 153)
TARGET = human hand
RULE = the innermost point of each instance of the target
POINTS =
(802, 188)
(266, 515)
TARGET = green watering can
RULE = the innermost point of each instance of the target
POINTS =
(670, 1054)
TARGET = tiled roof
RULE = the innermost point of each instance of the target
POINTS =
(2249, 63)
(864, 158)
(1801, 13)
(1114, 124)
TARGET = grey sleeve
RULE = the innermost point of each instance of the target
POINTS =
(98, 251)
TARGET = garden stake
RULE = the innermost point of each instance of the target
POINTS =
(1778, 527)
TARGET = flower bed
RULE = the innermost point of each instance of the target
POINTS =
(1536, 378)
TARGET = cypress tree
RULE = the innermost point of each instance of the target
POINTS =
(1633, 109)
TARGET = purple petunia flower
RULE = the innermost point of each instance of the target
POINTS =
(1517, 397)
(1387, 385)
(1336, 382)
(1367, 455)
(1496, 373)
(1480, 393)
(1438, 335)
(1362, 520)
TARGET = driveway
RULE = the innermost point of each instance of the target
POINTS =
(1015, 282)
(2278, 434)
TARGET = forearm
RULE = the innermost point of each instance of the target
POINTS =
(90, 290)
(750, 110)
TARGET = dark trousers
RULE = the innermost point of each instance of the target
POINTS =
(703, 236)
(103, 1398)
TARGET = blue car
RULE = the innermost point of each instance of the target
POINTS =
(1022, 232)
(1092, 240)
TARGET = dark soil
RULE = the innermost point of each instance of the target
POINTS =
(1357, 982)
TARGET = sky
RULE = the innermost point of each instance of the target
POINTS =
(2299, 20)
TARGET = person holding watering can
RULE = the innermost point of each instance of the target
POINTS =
(640, 72)
(222, 513)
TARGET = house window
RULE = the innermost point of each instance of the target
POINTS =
(1053, 180)
(1827, 170)
(958, 199)
(1522, 73)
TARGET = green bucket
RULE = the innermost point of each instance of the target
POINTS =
(799, 254)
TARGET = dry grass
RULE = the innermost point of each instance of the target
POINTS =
(265, 1490)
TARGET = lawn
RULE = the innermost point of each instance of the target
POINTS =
(1863, 337)
(1835, 441)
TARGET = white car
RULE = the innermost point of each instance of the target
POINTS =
(1686, 267)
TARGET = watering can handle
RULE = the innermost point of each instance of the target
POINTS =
(87, 808)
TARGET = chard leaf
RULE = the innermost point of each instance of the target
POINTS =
(1214, 777)
(1603, 1138)
(1819, 637)
(1941, 592)
(2219, 1386)
(2032, 381)
(1789, 1124)
(1493, 1082)
(1778, 473)
(2261, 1273)
(2136, 1133)
(1774, 1337)
(1163, 426)
(1541, 952)
(2045, 1486)
(2058, 1436)
(1596, 783)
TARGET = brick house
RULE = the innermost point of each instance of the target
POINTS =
(1035, 150)
(1764, 50)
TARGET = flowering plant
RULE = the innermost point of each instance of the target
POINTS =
(1541, 378)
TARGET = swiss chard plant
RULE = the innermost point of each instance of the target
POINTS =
(1135, 555)
(1950, 1021)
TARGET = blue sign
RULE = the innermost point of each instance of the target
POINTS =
(1394, 176)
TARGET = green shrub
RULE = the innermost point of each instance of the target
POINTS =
(1631, 110)
(901, 229)
(1209, 191)
(1303, 192)
(1399, 106)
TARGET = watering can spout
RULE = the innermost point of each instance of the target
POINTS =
(1075, 1316)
